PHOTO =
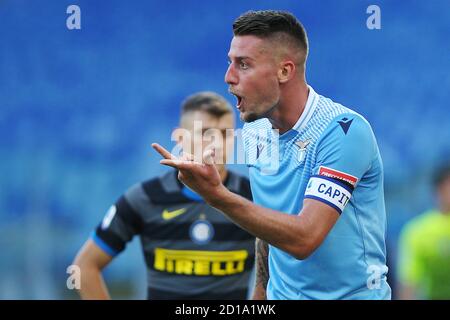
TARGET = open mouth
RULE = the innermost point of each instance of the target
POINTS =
(239, 100)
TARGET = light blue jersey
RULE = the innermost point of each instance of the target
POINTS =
(330, 155)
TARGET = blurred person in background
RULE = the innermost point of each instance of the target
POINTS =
(424, 252)
(191, 250)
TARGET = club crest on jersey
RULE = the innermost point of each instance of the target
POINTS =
(331, 173)
(302, 151)
(201, 231)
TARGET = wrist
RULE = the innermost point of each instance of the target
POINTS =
(216, 195)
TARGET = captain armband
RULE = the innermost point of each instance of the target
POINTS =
(329, 191)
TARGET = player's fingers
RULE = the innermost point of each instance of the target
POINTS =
(183, 175)
(162, 151)
(208, 156)
(177, 164)
(169, 163)
(187, 156)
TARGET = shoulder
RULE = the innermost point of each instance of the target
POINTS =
(138, 191)
(344, 138)
(350, 127)
(164, 189)
(334, 115)
(335, 119)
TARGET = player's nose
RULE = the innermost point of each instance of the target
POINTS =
(230, 75)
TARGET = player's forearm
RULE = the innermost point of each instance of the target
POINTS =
(290, 233)
(262, 269)
(259, 293)
(92, 284)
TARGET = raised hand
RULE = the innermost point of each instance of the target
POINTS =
(202, 177)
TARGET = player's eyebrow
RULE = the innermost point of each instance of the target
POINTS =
(240, 58)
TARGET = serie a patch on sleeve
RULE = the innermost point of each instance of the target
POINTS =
(333, 191)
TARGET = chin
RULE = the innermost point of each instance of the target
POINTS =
(249, 116)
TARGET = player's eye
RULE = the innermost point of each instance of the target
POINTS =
(243, 65)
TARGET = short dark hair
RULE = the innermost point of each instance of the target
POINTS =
(268, 23)
(206, 101)
(441, 175)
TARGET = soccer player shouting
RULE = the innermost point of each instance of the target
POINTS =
(316, 173)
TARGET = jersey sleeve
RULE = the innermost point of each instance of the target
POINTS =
(344, 154)
(120, 223)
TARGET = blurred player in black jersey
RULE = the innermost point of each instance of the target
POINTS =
(191, 250)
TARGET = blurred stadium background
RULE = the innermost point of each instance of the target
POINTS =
(79, 109)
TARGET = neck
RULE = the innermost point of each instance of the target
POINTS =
(290, 107)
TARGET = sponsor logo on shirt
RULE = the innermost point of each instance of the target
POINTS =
(331, 173)
(345, 124)
(200, 263)
(168, 215)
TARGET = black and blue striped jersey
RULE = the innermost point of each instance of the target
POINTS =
(192, 250)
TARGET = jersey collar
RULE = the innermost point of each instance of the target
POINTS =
(307, 113)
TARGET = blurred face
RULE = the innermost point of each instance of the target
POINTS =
(252, 77)
(444, 195)
(206, 131)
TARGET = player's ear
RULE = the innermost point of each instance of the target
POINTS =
(286, 71)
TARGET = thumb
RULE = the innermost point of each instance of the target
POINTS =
(208, 156)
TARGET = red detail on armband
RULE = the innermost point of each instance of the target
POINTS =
(331, 173)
